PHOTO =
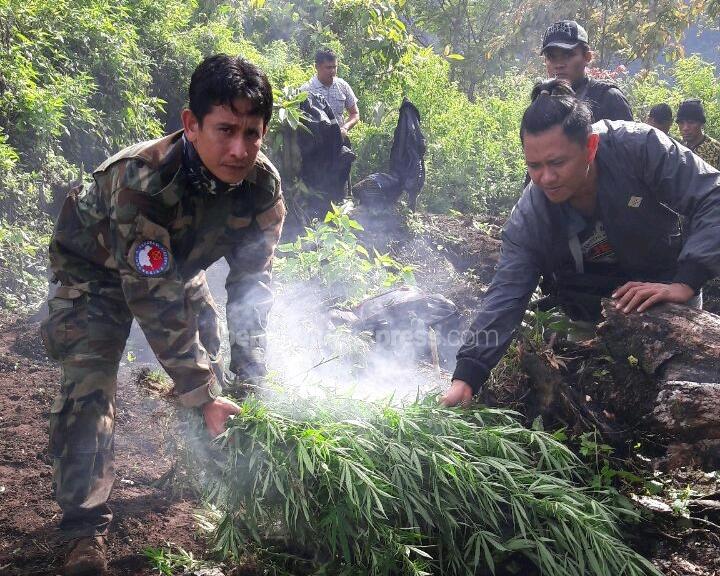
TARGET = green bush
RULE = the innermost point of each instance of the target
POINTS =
(23, 284)
(331, 256)
(474, 162)
(8, 156)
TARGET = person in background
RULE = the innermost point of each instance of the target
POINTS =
(691, 122)
(600, 218)
(567, 55)
(660, 117)
(338, 93)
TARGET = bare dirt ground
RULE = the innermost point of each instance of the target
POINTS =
(144, 515)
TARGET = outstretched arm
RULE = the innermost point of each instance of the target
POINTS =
(502, 307)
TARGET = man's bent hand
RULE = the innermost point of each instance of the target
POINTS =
(639, 296)
(216, 414)
(459, 393)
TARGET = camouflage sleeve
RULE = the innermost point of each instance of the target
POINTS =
(710, 152)
(248, 290)
(153, 287)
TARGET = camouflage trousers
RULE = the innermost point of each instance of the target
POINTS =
(86, 332)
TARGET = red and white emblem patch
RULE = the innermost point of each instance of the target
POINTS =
(151, 258)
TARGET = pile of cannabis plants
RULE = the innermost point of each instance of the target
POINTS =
(351, 487)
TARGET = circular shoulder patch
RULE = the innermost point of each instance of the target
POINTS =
(151, 258)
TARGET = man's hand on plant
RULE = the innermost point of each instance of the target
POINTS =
(639, 296)
(216, 414)
(459, 393)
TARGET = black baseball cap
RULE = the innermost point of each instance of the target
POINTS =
(565, 34)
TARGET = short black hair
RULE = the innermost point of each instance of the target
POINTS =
(325, 55)
(661, 113)
(554, 104)
(221, 79)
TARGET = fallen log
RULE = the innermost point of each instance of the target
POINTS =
(667, 377)
(664, 365)
(671, 342)
(670, 355)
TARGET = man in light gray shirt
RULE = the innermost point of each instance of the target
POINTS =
(336, 91)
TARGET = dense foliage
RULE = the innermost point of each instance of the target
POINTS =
(493, 34)
(79, 79)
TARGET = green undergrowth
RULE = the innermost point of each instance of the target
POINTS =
(342, 486)
(330, 255)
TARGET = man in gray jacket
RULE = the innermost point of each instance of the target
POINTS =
(599, 218)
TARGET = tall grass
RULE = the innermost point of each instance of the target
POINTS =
(341, 486)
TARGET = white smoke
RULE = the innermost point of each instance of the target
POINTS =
(308, 355)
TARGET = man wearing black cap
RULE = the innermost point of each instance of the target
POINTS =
(690, 121)
(567, 54)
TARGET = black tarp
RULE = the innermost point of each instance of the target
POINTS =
(326, 160)
(399, 320)
(406, 166)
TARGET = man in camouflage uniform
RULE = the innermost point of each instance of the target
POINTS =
(691, 123)
(135, 244)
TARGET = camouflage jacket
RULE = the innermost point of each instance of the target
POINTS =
(709, 150)
(143, 230)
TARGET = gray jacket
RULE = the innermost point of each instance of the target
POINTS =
(644, 179)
